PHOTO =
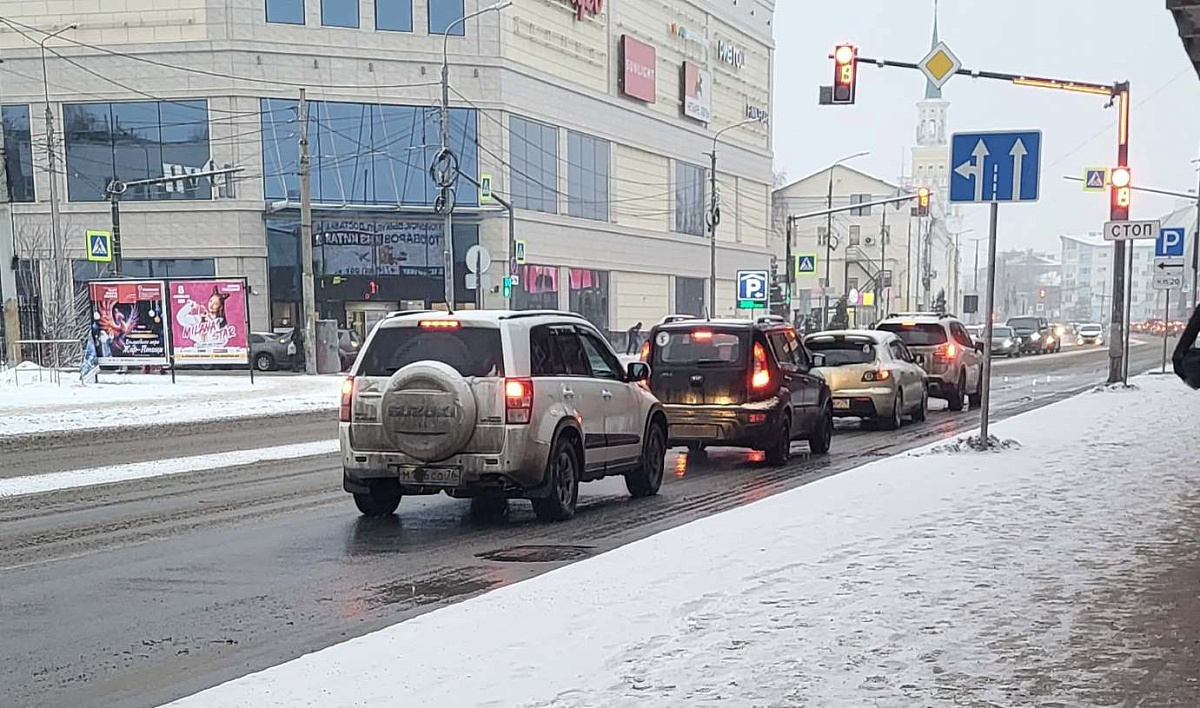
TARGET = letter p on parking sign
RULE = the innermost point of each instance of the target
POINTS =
(1171, 243)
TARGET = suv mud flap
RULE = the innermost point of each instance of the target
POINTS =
(354, 485)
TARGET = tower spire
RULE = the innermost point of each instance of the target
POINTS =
(932, 92)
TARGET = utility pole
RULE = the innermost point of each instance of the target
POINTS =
(714, 218)
(8, 263)
(880, 290)
(60, 268)
(828, 251)
(1196, 250)
(1119, 325)
(308, 314)
(908, 270)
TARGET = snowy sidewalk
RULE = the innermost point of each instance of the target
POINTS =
(29, 405)
(1061, 573)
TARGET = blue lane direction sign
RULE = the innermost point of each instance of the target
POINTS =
(1171, 243)
(995, 167)
(99, 246)
(752, 289)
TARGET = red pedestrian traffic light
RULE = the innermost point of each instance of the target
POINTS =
(845, 73)
(1122, 193)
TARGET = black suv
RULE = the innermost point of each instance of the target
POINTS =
(1036, 334)
(740, 383)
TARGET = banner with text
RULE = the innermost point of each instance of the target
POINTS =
(128, 324)
(208, 322)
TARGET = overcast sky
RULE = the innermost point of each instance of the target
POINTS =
(1085, 40)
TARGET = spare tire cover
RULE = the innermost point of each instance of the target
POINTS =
(428, 411)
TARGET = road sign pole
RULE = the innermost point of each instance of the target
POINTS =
(1166, 329)
(986, 383)
(1128, 314)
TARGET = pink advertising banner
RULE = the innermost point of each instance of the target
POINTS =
(208, 322)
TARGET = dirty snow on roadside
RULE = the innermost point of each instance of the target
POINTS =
(30, 402)
(1030, 576)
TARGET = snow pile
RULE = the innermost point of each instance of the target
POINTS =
(969, 444)
(27, 372)
(36, 405)
(1010, 579)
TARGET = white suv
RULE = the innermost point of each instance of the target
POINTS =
(492, 405)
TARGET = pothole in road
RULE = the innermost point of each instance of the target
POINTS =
(537, 554)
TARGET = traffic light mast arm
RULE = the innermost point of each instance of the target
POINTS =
(1184, 195)
(1110, 90)
(852, 207)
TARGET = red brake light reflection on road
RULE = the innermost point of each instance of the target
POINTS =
(440, 324)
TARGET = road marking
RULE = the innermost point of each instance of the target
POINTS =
(38, 483)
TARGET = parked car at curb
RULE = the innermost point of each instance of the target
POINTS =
(953, 363)
(268, 350)
(739, 383)
(491, 405)
(872, 375)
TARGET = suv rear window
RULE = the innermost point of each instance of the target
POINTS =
(472, 351)
(917, 335)
(699, 346)
(843, 352)
(1024, 323)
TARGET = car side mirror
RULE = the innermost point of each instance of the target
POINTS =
(637, 371)
(818, 360)
(979, 347)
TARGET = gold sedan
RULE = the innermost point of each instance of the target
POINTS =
(871, 374)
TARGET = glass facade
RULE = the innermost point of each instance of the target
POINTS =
(689, 199)
(587, 176)
(290, 12)
(443, 13)
(533, 165)
(394, 15)
(365, 153)
(339, 13)
(589, 295)
(689, 296)
(133, 141)
(538, 289)
(18, 153)
(146, 268)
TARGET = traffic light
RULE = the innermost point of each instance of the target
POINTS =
(1121, 193)
(508, 286)
(845, 73)
(923, 201)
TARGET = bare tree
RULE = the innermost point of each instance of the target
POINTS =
(51, 281)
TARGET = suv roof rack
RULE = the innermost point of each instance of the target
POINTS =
(402, 313)
(770, 319)
(939, 315)
(542, 313)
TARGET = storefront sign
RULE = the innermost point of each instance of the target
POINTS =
(639, 69)
(590, 7)
(128, 325)
(731, 54)
(697, 92)
(378, 248)
(208, 322)
(759, 114)
(689, 35)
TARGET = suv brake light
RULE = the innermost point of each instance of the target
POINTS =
(645, 352)
(760, 375)
(950, 351)
(518, 401)
(347, 399)
(439, 324)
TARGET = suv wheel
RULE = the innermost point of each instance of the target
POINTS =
(822, 437)
(956, 396)
(563, 472)
(896, 419)
(976, 399)
(382, 500)
(780, 450)
(647, 479)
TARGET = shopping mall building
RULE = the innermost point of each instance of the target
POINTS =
(593, 118)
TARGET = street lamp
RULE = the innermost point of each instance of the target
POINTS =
(829, 234)
(444, 158)
(714, 215)
(61, 272)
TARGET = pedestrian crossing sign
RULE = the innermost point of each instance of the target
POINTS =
(806, 264)
(99, 246)
(1095, 179)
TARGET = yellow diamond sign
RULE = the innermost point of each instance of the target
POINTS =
(940, 64)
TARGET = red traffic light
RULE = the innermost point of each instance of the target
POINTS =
(845, 73)
(923, 201)
(1122, 193)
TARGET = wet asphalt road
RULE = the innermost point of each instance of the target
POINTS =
(139, 593)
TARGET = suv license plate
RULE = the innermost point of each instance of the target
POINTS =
(430, 476)
(842, 404)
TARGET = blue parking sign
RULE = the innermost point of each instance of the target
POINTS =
(1171, 243)
(752, 289)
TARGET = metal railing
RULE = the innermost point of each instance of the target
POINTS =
(50, 355)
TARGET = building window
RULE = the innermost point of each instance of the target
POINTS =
(393, 15)
(587, 176)
(339, 13)
(136, 141)
(18, 153)
(443, 14)
(860, 199)
(855, 234)
(538, 289)
(689, 296)
(852, 283)
(364, 153)
(288, 12)
(589, 296)
(689, 199)
(822, 235)
(533, 165)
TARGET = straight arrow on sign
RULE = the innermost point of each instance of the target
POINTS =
(1018, 153)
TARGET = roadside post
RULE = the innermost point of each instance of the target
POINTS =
(993, 168)
(1120, 232)
(1169, 250)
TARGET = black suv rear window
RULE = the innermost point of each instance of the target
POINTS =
(917, 335)
(472, 351)
(698, 346)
